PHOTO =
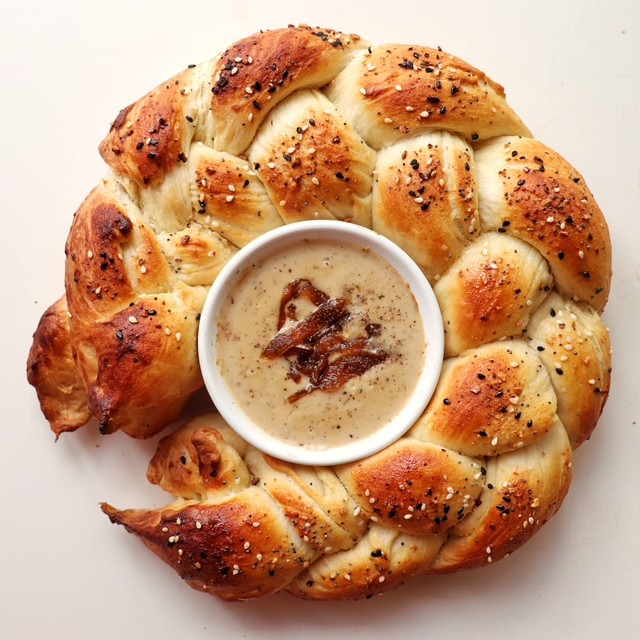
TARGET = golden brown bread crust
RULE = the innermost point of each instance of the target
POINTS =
(302, 123)
(52, 371)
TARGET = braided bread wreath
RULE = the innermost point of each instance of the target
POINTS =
(295, 124)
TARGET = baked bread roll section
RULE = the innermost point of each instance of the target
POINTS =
(300, 124)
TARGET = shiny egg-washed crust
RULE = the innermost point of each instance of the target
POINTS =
(302, 123)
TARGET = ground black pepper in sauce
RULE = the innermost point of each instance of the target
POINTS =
(327, 316)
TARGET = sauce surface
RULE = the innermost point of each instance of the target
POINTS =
(379, 328)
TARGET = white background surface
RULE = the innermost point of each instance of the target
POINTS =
(571, 70)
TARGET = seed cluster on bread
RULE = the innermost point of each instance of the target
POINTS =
(303, 123)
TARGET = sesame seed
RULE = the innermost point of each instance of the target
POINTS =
(408, 516)
(494, 442)
(356, 511)
(143, 269)
(250, 117)
(363, 91)
(231, 187)
(312, 150)
(198, 524)
(513, 363)
(291, 150)
(381, 579)
(89, 254)
(255, 524)
(283, 203)
(247, 546)
(347, 576)
(388, 120)
(167, 331)
(258, 557)
(398, 87)
(165, 529)
(315, 180)
(424, 114)
(271, 165)
(133, 320)
(409, 108)
(229, 198)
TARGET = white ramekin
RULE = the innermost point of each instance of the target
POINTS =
(289, 235)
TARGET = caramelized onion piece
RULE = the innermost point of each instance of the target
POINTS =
(328, 313)
(341, 370)
(315, 346)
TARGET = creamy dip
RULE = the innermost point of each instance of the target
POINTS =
(377, 312)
